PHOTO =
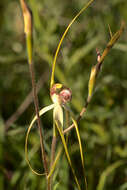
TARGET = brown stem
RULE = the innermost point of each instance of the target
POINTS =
(38, 117)
(28, 30)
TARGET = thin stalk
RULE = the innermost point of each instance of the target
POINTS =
(28, 29)
(36, 104)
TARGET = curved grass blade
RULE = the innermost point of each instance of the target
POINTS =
(62, 38)
(107, 172)
(41, 112)
(81, 151)
(67, 153)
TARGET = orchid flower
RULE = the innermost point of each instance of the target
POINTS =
(60, 95)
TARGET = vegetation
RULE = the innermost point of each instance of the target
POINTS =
(103, 129)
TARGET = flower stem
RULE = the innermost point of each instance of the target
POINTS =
(28, 30)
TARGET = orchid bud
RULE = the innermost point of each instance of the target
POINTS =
(27, 15)
(92, 81)
(28, 29)
(60, 94)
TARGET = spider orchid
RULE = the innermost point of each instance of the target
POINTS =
(60, 95)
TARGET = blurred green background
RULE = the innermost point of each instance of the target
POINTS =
(103, 129)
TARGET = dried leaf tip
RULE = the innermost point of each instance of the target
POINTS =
(27, 15)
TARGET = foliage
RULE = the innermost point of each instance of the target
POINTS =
(103, 129)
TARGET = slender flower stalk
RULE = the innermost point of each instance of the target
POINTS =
(28, 30)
